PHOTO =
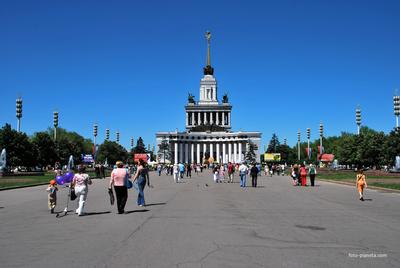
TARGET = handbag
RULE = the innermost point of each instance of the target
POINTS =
(73, 195)
(128, 182)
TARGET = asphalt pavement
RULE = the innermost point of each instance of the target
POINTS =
(198, 223)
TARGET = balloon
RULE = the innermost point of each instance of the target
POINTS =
(60, 180)
(68, 177)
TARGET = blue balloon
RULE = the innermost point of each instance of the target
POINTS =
(68, 177)
(60, 180)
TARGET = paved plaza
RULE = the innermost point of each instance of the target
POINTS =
(198, 223)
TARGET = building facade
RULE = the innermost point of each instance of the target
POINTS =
(208, 135)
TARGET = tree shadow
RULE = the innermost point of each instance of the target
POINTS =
(155, 204)
(137, 210)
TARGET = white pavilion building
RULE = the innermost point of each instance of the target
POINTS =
(208, 134)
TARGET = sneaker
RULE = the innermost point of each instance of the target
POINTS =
(52, 210)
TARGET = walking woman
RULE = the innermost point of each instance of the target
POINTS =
(142, 177)
(80, 183)
(361, 183)
(303, 175)
(118, 179)
(313, 172)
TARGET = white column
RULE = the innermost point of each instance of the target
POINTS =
(204, 149)
(218, 155)
(187, 119)
(240, 152)
(229, 152)
(192, 153)
(211, 150)
(198, 118)
(198, 153)
(217, 119)
(229, 119)
(235, 152)
(186, 153)
(176, 153)
(224, 153)
(211, 118)
(205, 118)
(223, 118)
(181, 152)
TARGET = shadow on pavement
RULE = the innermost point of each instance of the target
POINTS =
(367, 199)
(311, 227)
(134, 211)
(97, 213)
(155, 204)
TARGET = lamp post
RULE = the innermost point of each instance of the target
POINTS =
(308, 142)
(117, 134)
(298, 144)
(107, 134)
(55, 122)
(321, 135)
(19, 113)
(358, 119)
(396, 105)
(95, 128)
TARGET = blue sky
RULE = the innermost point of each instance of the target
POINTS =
(129, 65)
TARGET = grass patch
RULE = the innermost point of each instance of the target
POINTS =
(395, 186)
(21, 181)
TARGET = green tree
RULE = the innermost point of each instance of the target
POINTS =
(370, 147)
(20, 151)
(346, 151)
(140, 148)
(250, 155)
(273, 144)
(111, 151)
(164, 152)
(71, 143)
(45, 149)
(391, 147)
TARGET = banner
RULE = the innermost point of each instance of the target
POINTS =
(87, 158)
(144, 157)
(272, 157)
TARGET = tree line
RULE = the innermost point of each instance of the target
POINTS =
(41, 150)
(370, 148)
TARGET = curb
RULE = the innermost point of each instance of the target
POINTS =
(369, 187)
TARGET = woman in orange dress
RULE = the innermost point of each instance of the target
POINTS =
(361, 183)
(303, 175)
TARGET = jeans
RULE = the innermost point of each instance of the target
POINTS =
(243, 180)
(254, 181)
(141, 184)
(122, 195)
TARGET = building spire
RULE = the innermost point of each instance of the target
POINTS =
(208, 70)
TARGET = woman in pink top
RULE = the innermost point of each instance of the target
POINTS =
(118, 179)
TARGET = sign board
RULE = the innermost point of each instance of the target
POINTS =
(272, 157)
(87, 158)
(144, 157)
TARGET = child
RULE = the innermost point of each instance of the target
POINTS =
(361, 183)
(52, 197)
